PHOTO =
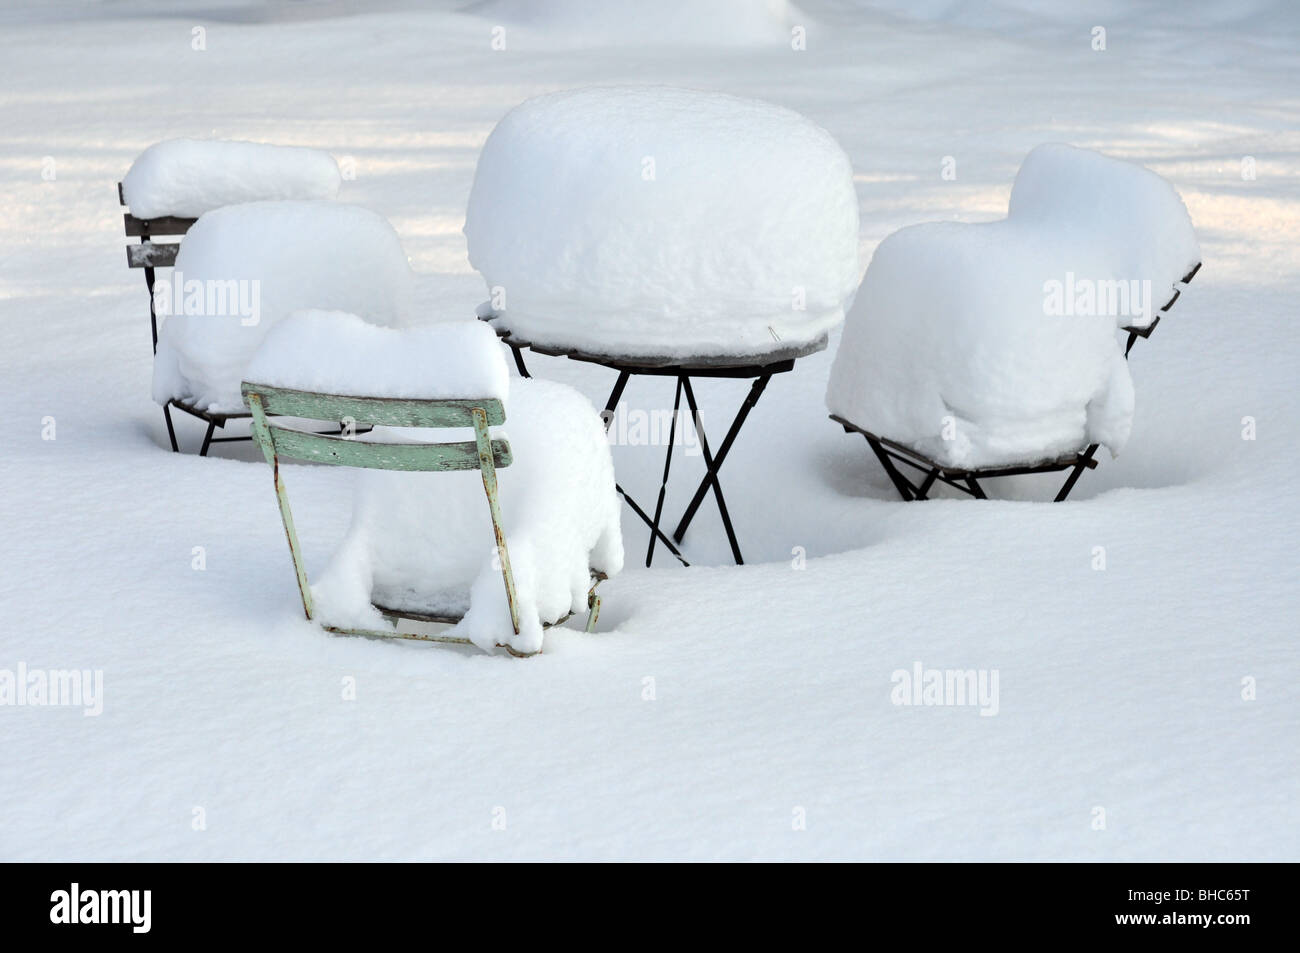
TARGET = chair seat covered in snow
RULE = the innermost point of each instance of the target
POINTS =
(243, 268)
(663, 223)
(987, 350)
(421, 545)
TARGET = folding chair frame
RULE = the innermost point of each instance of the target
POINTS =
(891, 454)
(484, 454)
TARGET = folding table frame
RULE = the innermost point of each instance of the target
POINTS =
(760, 369)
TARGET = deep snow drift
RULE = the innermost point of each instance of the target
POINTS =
(1144, 631)
(993, 344)
(652, 221)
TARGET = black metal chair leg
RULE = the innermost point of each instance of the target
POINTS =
(519, 360)
(207, 439)
(755, 391)
(711, 472)
(923, 491)
(975, 489)
(171, 430)
(663, 485)
(1077, 472)
(153, 314)
(900, 482)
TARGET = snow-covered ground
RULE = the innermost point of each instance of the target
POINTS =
(1145, 710)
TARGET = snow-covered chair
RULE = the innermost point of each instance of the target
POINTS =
(173, 182)
(244, 267)
(975, 351)
(421, 545)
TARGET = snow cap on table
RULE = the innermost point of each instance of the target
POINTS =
(953, 348)
(333, 352)
(655, 221)
(283, 257)
(187, 177)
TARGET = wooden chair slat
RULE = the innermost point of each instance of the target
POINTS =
(163, 225)
(151, 255)
(343, 451)
(383, 411)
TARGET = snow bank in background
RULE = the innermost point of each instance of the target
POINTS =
(635, 22)
(272, 258)
(424, 541)
(333, 352)
(187, 177)
(977, 345)
(657, 221)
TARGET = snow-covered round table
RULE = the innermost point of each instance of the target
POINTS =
(667, 233)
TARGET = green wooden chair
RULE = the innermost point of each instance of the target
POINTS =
(483, 453)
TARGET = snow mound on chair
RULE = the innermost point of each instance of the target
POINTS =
(424, 541)
(333, 352)
(187, 177)
(978, 345)
(243, 268)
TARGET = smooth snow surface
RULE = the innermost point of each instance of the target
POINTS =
(272, 258)
(332, 352)
(653, 221)
(1144, 631)
(424, 541)
(187, 177)
(995, 343)
(702, 23)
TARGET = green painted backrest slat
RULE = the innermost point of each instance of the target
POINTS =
(325, 448)
(382, 411)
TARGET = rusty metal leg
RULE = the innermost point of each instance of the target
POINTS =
(1075, 474)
